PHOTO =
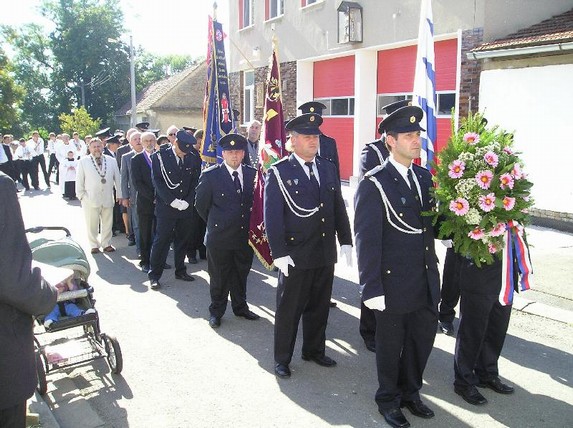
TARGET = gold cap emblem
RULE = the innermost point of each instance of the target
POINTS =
(311, 118)
(232, 143)
(311, 109)
(410, 103)
(412, 119)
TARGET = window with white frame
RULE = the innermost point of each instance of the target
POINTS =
(309, 2)
(276, 8)
(446, 100)
(343, 106)
(247, 16)
(248, 96)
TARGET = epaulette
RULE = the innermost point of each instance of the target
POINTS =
(249, 167)
(211, 168)
(280, 161)
(374, 170)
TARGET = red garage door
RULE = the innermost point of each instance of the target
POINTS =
(334, 79)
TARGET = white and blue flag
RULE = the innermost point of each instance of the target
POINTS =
(425, 83)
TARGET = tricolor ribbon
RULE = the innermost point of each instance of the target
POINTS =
(515, 248)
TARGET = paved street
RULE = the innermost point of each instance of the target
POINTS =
(178, 372)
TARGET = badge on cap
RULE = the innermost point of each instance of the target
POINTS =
(232, 143)
(311, 118)
(412, 119)
(311, 110)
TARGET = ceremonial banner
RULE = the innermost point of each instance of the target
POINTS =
(425, 83)
(217, 115)
(274, 137)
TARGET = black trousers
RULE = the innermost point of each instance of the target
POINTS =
(198, 236)
(40, 161)
(481, 334)
(54, 164)
(13, 417)
(306, 293)
(450, 292)
(167, 228)
(70, 189)
(403, 346)
(146, 230)
(367, 324)
(24, 168)
(228, 271)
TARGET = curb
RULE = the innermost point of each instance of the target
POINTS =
(543, 310)
(38, 407)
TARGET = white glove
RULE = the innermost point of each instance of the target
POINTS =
(282, 264)
(346, 252)
(376, 303)
(176, 204)
(183, 205)
(447, 243)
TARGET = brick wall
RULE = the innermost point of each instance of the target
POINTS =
(470, 72)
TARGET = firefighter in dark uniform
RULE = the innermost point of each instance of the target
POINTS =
(372, 155)
(398, 267)
(304, 211)
(174, 175)
(327, 148)
(224, 200)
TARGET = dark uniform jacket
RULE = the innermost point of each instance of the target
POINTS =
(226, 212)
(310, 241)
(121, 150)
(166, 173)
(400, 266)
(141, 180)
(22, 294)
(329, 151)
(372, 155)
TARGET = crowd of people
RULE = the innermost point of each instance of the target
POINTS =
(156, 190)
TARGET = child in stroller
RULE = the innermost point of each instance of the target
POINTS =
(67, 307)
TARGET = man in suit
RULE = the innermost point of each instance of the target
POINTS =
(327, 148)
(253, 137)
(224, 199)
(145, 196)
(196, 244)
(398, 267)
(372, 155)
(174, 179)
(6, 158)
(23, 294)
(304, 211)
(97, 179)
(129, 201)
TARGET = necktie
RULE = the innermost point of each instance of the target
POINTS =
(180, 162)
(98, 161)
(237, 181)
(313, 179)
(413, 187)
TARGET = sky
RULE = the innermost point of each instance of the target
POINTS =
(161, 27)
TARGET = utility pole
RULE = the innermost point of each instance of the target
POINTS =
(132, 78)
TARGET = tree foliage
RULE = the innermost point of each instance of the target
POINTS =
(79, 121)
(10, 96)
(151, 68)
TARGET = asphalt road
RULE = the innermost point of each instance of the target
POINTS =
(178, 372)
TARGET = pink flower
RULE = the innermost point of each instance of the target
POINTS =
(506, 181)
(508, 203)
(498, 230)
(471, 138)
(491, 248)
(508, 150)
(487, 202)
(483, 179)
(459, 206)
(476, 234)
(516, 172)
(491, 159)
(457, 168)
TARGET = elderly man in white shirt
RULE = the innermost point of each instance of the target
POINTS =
(97, 175)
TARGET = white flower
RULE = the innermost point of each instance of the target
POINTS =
(472, 217)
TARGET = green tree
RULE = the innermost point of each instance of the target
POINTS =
(151, 68)
(10, 96)
(80, 121)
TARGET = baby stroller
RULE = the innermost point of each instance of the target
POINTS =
(56, 346)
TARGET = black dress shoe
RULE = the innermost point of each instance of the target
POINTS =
(184, 277)
(447, 327)
(282, 370)
(332, 304)
(214, 322)
(395, 418)
(418, 408)
(248, 315)
(131, 242)
(497, 385)
(167, 266)
(155, 285)
(321, 360)
(192, 260)
(471, 395)
(370, 345)
(145, 268)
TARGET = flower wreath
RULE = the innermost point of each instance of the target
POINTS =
(482, 193)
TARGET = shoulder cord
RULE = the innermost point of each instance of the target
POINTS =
(164, 174)
(289, 201)
(373, 147)
(409, 229)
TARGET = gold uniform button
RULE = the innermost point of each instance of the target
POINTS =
(401, 215)
(324, 234)
(427, 249)
(243, 216)
(222, 194)
(292, 239)
(242, 227)
(321, 204)
(424, 229)
(426, 267)
(322, 220)
(296, 192)
(388, 271)
(216, 224)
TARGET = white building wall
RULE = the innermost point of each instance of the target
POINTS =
(536, 103)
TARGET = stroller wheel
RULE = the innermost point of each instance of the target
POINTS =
(113, 351)
(42, 386)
